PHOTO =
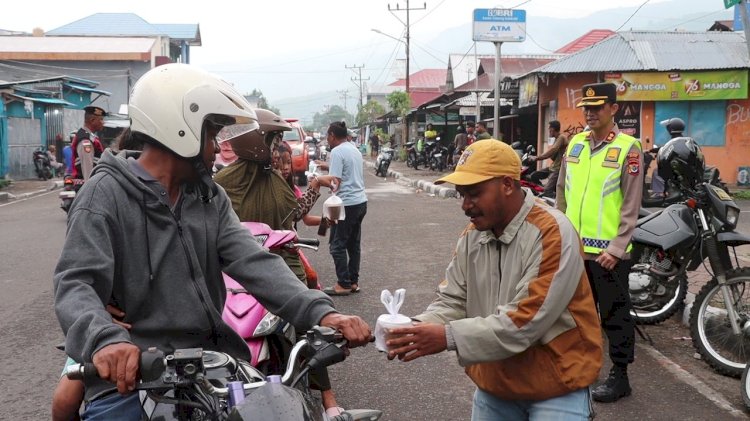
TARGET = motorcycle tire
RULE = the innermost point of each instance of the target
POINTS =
(668, 309)
(410, 160)
(710, 327)
(745, 386)
(434, 164)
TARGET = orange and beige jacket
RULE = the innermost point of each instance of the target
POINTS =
(520, 307)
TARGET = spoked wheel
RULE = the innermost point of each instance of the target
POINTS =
(745, 384)
(663, 307)
(711, 329)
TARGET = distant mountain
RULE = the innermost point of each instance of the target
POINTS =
(545, 34)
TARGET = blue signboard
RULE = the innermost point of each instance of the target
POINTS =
(499, 25)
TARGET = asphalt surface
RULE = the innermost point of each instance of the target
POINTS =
(407, 241)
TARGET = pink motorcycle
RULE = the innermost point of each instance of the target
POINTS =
(269, 338)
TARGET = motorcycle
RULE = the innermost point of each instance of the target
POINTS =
(526, 170)
(85, 163)
(268, 337)
(42, 164)
(414, 158)
(437, 155)
(197, 384)
(312, 148)
(671, 242)
(383, 161)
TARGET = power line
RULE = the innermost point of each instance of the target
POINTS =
(631, 16)
(360, 85)
(694, 19)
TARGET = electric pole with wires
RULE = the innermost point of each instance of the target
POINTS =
(358, 81)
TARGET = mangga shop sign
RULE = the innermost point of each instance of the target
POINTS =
(680, 86)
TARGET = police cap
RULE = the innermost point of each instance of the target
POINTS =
(597, 94)
(97, 111)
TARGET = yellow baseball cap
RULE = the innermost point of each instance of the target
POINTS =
(482, 160)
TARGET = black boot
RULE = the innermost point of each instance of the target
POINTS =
(615, 387)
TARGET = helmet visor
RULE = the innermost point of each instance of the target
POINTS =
(234, 130)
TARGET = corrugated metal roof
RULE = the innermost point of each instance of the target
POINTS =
(589, 38)
(108, 24)
(657, 51)
(127, 25)
(182, 31)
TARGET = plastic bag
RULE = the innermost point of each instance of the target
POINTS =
(393, 319)
(333, 209)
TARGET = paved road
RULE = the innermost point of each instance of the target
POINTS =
(407, 241)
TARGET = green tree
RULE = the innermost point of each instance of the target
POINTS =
(369, 112)
(331, 114)
(399, 103)
(263, 102)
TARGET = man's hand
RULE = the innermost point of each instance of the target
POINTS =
(323, 165)
(607, 261)
(354, 329)
(532, 158)
(416, 341)
(117, 316)
(118, 363)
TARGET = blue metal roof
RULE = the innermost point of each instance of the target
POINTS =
(53, 101)
(126, 25)
(108, 24)
(85, 89)
(657, 51)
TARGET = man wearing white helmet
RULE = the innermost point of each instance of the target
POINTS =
(151, 233)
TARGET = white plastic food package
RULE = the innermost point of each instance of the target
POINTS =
(393, 319)
(333, 209)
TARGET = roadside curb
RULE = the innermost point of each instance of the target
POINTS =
(424, 185)
(6, 197)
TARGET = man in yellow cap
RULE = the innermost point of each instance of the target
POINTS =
(599, 188)
(522, 323)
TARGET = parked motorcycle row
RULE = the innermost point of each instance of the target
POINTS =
(433, 155)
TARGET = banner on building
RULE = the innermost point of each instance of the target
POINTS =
(628, 118)
(680, 86)
(528, 91)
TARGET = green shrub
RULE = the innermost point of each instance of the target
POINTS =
(742, 194)
(4, 182)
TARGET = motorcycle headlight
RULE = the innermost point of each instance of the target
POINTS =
(267, 325)
(733, 215)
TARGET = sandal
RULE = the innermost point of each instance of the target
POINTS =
(333, 292)
(355, 288)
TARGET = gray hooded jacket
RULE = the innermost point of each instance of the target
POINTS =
(163, 269)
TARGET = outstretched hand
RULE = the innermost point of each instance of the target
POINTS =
(416, 341)
(354, 329)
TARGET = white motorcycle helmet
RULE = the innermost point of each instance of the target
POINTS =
(171, 103)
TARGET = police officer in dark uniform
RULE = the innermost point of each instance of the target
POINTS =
(93, 122)
(599, 189)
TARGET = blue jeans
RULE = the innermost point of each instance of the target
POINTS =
(114, 407)
(344, 246)
(575, 406)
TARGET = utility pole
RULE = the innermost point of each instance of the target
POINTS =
(344, 95)
(407, 10)
(358, 81)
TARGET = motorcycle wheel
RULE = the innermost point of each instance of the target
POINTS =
(712, 334)
(410, 159)
(434, 164)
(745, 386)
(668, 309)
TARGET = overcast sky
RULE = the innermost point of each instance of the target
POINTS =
(271, 45)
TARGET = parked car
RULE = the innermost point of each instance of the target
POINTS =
(296, 140)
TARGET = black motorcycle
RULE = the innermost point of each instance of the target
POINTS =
(196, 384)
(383, 161)
(415, 158)
(42, 164)
(671, 242)
(437, 155)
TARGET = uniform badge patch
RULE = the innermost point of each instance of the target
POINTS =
(634, 166)
(576, 151)
(613, 154)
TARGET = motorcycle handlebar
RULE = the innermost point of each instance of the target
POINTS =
(311, 242)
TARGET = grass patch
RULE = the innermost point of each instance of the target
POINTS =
(4, 183)
(742, 194)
